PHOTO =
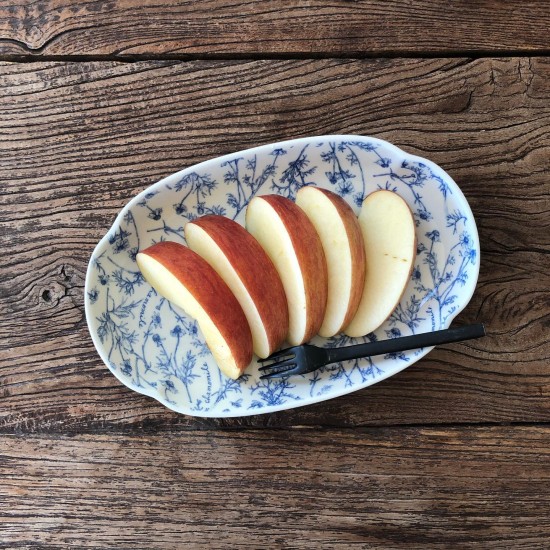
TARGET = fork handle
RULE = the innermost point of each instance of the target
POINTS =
(405, 343)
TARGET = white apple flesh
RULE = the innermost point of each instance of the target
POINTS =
(342, 242)
(389, 235)
(186, 280)
(250, 274)
(290, 240)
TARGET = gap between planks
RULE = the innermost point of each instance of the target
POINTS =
(468, 55)
(210, 425)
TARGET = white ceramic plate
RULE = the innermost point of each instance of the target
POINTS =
(153, 348)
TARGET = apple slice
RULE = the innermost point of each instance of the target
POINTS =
(185, 279)
(290, 240)
(242, 263)
(342, 241)
(390, 247)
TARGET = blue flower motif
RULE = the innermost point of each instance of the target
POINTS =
(424, 215)
(176, 331)
(133, 252)
(434, 236)
(345, 188)
(384, 162)
(126, 367)
(169, 385)
(465, 239)
(119, 240)
(393, 333)
(155, 214)
(358, 199)
(93, 295)
(180, 208)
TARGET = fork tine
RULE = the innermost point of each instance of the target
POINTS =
(293, 368)
(279, 364)
(288, 352)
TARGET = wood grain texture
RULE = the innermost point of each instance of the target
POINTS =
(271, 27)
(78, 140)
(377, 488)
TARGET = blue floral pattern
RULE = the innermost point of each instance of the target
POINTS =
(154, 348)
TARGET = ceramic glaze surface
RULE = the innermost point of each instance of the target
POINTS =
(155, 349)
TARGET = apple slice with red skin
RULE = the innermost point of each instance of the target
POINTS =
(342, 240)
(250, 274)
(290, 240)
(186, 280)
(389, 235)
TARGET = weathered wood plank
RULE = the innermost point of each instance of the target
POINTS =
(79, 140)
(226, 27)
(398, 488)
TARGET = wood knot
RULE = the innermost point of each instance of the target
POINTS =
(59, 285)
(35, 38)
(54, 293)
(457, 103)
(66, 276)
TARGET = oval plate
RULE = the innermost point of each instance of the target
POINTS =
(154, 348)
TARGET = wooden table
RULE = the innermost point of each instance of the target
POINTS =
(99, 99)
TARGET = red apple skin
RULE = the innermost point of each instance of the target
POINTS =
(357, 248)
(256, 271)
(309, 251)
(212, 293)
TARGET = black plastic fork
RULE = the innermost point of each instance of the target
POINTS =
(307, 358)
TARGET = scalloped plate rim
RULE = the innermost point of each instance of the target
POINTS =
(436, 169)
